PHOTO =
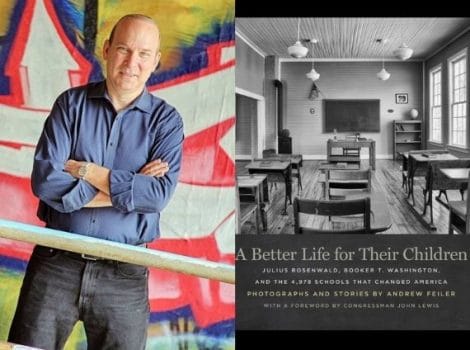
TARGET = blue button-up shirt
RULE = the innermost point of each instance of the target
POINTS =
(83, 125)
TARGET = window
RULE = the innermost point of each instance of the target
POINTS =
(458, 99)
(435, 105)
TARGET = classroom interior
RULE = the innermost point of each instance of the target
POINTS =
(352, 125)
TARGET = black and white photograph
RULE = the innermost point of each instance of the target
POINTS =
(353, 217)
(384, 161)
(401, 98)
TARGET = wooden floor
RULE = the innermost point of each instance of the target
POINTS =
(406, 219)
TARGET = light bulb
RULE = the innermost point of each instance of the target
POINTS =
(297, 50)
(403, 52)
(383, 74)
(313, 75)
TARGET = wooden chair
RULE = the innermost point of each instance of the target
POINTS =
(352, 151)
(459, 215)
(420, 172)
(295, 170)
(296, 173)
(331, 208)
(340, 183)
(404, 170)
(243, 211)
(273, 179)
(437, 181)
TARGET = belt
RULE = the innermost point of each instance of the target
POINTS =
(84, 256)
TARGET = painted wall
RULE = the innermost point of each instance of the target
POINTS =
(250, 68)
(347, 80)
(49, 46)
(272, 74)
(441, 57)
(245, 133)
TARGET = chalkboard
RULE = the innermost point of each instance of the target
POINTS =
(352, 115)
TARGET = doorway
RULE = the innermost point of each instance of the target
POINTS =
(250, 125)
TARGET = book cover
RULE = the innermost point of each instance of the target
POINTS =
(408, 273)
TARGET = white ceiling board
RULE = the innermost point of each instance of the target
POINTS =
(352, 37)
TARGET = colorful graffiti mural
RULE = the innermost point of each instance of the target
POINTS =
(47, 46)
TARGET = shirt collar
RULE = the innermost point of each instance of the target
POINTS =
(142, 102)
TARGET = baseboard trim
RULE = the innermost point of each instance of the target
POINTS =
(363, 157)
(316, 156)
(243, 157)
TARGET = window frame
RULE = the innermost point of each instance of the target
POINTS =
(450, 67)
(434, 70)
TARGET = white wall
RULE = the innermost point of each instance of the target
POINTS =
(246, 121)
(249, 69)
(348, 80)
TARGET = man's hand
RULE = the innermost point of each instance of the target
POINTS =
(96, 175)
(72, 167)
(99, 201)
(155, 168)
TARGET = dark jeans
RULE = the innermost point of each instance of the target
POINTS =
(60, 288)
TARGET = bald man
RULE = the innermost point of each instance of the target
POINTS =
(105, 166)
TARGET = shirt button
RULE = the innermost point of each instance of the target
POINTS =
(111, 144)
(93, 221)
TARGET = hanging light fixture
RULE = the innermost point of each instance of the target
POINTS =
(313, 75)
(383, 74)
(403, 52)
(297, 50)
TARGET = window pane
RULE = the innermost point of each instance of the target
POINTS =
(435, 100)
(458, 103)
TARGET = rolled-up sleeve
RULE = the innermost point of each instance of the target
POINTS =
(49, 181)
(130, 191)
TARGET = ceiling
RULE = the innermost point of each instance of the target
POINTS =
(352, 38)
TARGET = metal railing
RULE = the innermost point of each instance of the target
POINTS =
(117, 251)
